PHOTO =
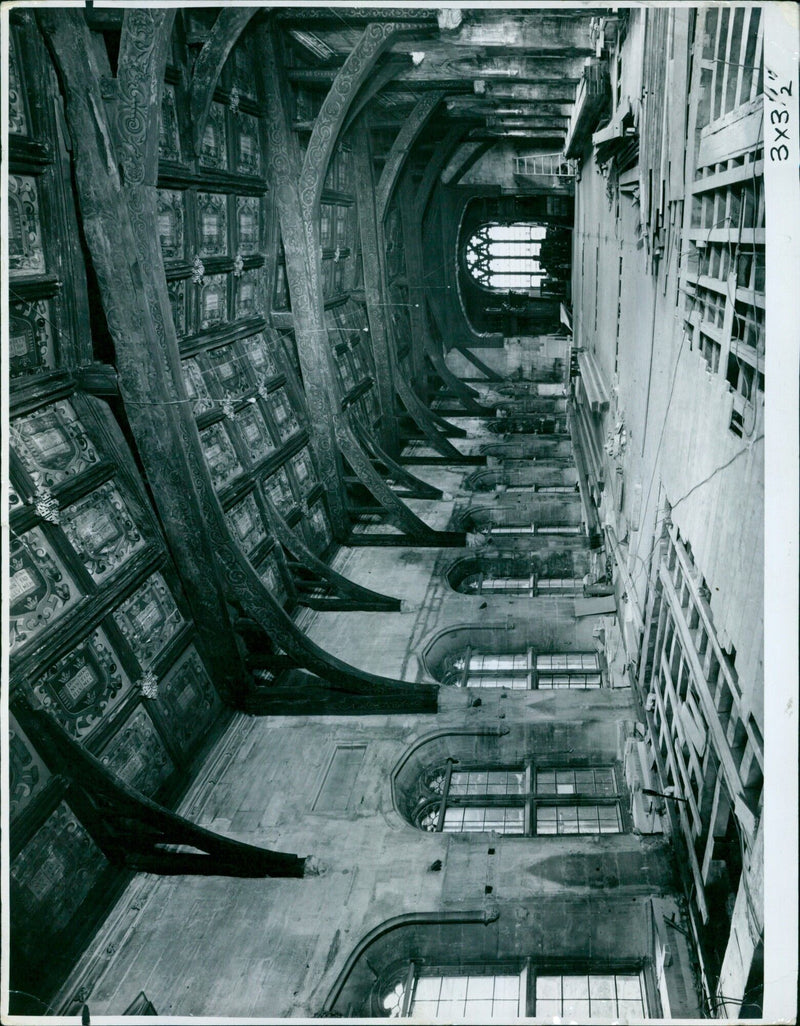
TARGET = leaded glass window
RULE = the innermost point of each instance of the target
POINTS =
(500, 992)
(574, 671)
(549, 801)
(578, 997)
(453, 995)
(506, 256)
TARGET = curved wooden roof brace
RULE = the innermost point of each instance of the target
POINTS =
(401, 147)
(298, 209)
(417, 488)
(152, 401)
(131, 829)
(375, 291)
(119, 225)
(357, 596)
(225, 32)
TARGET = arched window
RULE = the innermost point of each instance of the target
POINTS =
(573, 671)
(544, 573)
(484, 992)
(506, 256)
(521, 800)
(504, 991)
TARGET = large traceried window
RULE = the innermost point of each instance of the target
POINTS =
(506, 256)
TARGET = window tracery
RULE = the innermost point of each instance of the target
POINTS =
(506, 256)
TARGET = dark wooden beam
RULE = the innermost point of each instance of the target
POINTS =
(132, 830)
(320, 18)
(380, 78)
(466, 395)
(543, 139)
(291, 540)
(433, 169)
(317, 366)
(375, 291)
(120, 226)
(510, 121)
(546, 91)
(156, 407)
(417, 488)
(324, 77)
(304, 276)
(230, 23)
(470, 161)
(401, 147)
(425, 421)
(482, 367)
(394, 508)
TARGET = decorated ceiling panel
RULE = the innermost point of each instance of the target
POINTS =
(99, 626)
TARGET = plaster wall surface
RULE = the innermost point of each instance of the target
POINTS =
(675, 414)
(274, 947)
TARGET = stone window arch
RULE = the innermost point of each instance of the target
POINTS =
(456, 965)
(547, 573)
(524, 781)
(522, 799)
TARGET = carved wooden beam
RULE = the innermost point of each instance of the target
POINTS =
(413, 264)
(424, 420)
(319, 18)
(304, 277)
(381, 77)
(375, 290)
(373, 249)
(433, 169)
(375, 39)
(416, 274)
(487, 371)
(419, 489)
(401, 147)
(293, 543)
(120, 229)
(396, 510)
(435, 354)
(153, 405)
(230, 23)
(469, 161)
(403, 82)
(303, 264)
(130, 829)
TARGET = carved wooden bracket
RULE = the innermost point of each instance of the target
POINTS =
(132, 830)
(360, 597)
(417, 488)
(374, 40)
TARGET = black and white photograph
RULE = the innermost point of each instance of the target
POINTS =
(399, 512)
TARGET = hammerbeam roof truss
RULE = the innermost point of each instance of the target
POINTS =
(476, 62)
